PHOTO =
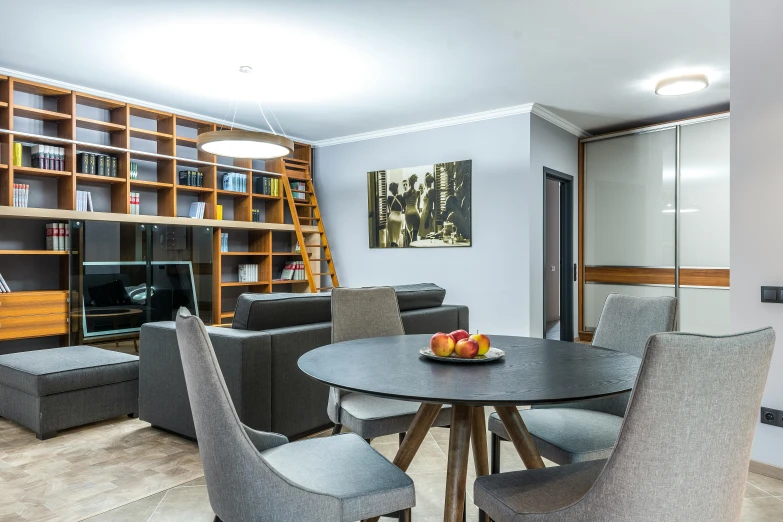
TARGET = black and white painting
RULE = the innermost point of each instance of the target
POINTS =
(420, 207)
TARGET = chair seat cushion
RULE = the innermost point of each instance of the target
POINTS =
(519, 495)
(58, 370)
(348, 469)
(567, 435)
(370, 416)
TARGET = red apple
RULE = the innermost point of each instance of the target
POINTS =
(466, 349)
(442, 344)
(459, 335)
(483, 342)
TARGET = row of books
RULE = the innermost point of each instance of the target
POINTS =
(134, 170)
(83, 201)
(234, 181)
(248, 273)
(21, 195)
(224, 241)
(293, 271)
(191, 178)
(197, 210)
(296, 190)
(135, 202)
(96, 164)
(266, 186)
(58, 236)
(3, 286)
(257, 216)
(42, 156)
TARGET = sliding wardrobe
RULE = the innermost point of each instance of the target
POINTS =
(655, 220)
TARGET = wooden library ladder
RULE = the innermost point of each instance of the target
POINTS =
(307, 210)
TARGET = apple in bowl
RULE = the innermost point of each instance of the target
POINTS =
(466, 349)
(442, 344)
(483, 342)
(459, 335)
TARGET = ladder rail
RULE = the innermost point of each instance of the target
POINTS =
(298, 227)
(322, 233)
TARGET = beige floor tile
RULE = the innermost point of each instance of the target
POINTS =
(138, 511)
(772, 486)
(752, 491)
(195, 482)
(429, 458)
(189, 504)
(762, 509)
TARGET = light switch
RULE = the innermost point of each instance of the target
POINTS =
(771, 294)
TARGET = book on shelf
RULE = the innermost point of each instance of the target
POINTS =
(3, 285)
(191, 178)
(47, 157)
(17, 154)
(96, 164)
(134, 170)
(135, 202)
(256, 215)
(84, 201)
(248, 273)
(219, 212)
(224, 241)
(21, 195)
(197, 210)
(58, 236)
(297, 188)
(288, 271)
(234, 182)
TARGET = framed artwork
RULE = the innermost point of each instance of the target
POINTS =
(420, 207)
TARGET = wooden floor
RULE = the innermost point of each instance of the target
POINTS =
(88, 470)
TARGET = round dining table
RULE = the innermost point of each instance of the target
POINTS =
(533, 371)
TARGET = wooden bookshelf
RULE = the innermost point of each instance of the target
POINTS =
(33, 252)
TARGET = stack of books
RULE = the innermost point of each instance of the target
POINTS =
(135, 202)
(197, 210)
(191, 178)
(134, 170)
(17, 154)
(234, 181)
(96, 164)
(224, 241)
(3, 285)
(256, 216)
(21, 195)
(47, 157)
(293, 271)
(248, 273)
(266, 186)
(58, 236)
(83, 201)
(296, 187)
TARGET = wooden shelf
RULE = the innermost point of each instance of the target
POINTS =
(140, 183)
(238, 283)
(30, 171)
(226, 315)
(3, 105)
(3, 166)
(188, 188)
(231, 193)
(286, 253)
(288, 282)
(92, 178)
(265, 196)
(39, 89)
(95, 101)
(150, 114)
(244, 253)
(103, 126)
(187, 142)
(39, 114)
(145, 134)
(34, 252)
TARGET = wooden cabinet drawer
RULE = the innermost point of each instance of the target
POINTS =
(16, 304)
(23, 327)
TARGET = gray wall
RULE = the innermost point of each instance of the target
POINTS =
(756, 186)
(557, 149)
(492, 276)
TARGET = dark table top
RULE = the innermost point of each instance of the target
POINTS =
(534, 371)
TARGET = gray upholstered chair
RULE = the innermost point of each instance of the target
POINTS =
(683, 450)
(254, 475)
(587, 430)
(361, 313)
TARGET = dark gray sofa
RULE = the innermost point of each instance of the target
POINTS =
(258, 357)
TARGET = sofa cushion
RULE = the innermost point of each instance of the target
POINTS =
(269, 311)
(58, 370)
(419, 296)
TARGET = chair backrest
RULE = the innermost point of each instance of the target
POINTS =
(684, 447)
(234, 473)
(627, 322)
(361, 313)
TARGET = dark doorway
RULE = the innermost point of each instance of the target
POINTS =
(558, 255)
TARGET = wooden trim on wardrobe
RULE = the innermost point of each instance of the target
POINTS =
(626, 275)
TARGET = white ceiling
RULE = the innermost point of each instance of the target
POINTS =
(340, 67)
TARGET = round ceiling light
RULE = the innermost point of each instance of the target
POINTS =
(681, 85)
(245, 144)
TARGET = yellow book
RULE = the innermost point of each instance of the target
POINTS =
(219, 212)
(17, 154)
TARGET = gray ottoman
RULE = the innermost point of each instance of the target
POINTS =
(50, 390)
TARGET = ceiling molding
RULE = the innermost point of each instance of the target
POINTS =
(133, 101)
(527, 108)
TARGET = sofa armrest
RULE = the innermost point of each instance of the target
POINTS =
(245, 361)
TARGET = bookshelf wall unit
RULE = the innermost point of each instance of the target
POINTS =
(161, 145)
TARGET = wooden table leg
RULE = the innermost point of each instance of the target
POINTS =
(422, 422)
(478, 440)
(457, 472)
(517, 432)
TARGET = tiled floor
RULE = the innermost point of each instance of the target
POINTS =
(553, 330)
(189, 502)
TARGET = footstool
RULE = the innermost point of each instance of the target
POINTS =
(50, 390)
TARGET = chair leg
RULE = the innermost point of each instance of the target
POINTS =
(402, 437)
(337, 429)
(217, 519)
(405, 515)
(495, 457)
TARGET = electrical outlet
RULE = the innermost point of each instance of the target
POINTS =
(772, 417)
